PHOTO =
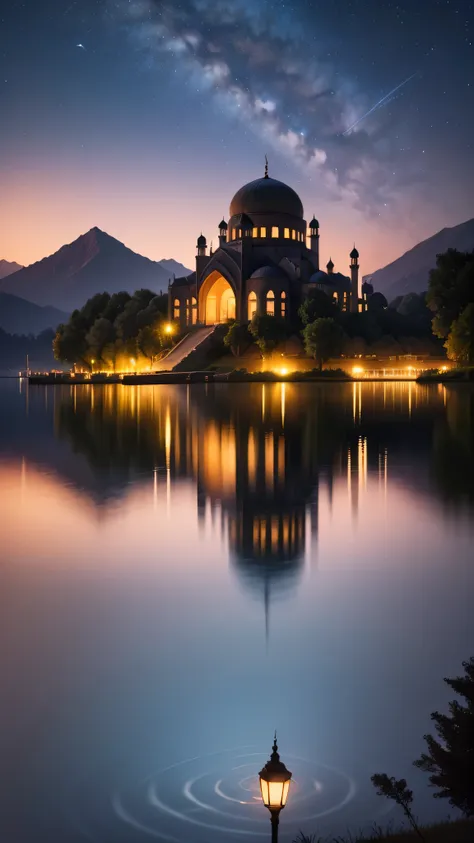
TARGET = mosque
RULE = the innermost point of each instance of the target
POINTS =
(267, 263)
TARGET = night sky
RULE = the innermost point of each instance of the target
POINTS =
(144, 118)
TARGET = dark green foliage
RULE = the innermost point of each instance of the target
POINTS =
(317, 305)
(399, 792)
(451, 288)
(150, 341)
(460, 342)
(450, 760)
(323, 339)
(236, 337)
(110, 325)
(267, 332)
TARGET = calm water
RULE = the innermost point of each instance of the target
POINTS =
(183, 570)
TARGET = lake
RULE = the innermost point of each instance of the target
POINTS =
(185, 569)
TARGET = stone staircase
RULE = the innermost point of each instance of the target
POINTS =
(185, 355)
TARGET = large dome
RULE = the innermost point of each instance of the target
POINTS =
(266, 196)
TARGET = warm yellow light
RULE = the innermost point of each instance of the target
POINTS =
(132, 361)
(92, 361)
(357, 370)
(283, 370)
(168, 329)
(444, 368)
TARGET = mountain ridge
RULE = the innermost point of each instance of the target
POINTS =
(8, 268)
(19, 316)
(95, 262)
(410, 272)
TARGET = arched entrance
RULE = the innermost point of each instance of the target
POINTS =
(216, 300)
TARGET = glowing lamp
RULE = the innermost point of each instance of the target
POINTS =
(132, 361)
(283, 371)
(274, 786)
(168, 329)
(357, 370)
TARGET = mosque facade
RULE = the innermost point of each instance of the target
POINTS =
(267, 262)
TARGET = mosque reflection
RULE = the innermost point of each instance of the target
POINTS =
(260, 455)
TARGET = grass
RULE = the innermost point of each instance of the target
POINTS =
(459, 831)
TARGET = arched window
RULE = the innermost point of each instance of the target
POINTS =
(293, 234)
(270, 309)
(274, 231)
(252, 305)
(263, 232)
(254, 232)
(176, 309)
(193, 311)
(283, 304)
(287, 233)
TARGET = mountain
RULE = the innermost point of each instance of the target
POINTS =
(18, 316)
(8, 267)
(94, 263)
(174, 268)
(409, 274)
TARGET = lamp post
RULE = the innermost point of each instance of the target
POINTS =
(274, 786)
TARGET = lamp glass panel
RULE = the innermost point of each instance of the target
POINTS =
(275, 793)
(286, 787)
(264, 789)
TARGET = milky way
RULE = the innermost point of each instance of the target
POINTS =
(263, 72)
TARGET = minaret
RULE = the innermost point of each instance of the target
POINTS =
(201, 245)
(222, 232)
(330, 266)
(314, 240)
(354, 267)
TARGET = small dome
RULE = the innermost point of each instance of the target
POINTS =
(266, 196)
(270, 272)
(354, 253)
(330, 265)
(201, 241)
(314, 223)
(223, 225)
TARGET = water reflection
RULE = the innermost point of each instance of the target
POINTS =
(137, 522)
(260, 455)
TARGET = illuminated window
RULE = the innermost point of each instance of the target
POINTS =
(252, 305)
(254, 232)
(287, 233)
(270, 309)
(176, 309)
(234, 234)
(283, 305)
(193, 311)
(361, 307)
(274, 231)
(293, 234)
(239, 233)
(263, 232)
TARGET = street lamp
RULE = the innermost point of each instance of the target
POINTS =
(274, 785)
(168, 329)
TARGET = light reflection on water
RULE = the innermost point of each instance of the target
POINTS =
(186, 568)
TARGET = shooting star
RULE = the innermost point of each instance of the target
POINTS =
(81, 46)
(379, 103)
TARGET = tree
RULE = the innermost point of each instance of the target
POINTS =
(460, 342)
(69, 344)
(128, 322)
(450, 760)
(323, 339)
(149, 341)
(101, 334)
(236, 336)
(317, 305)
(397, 790)
(451, 288)
(267, 332)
